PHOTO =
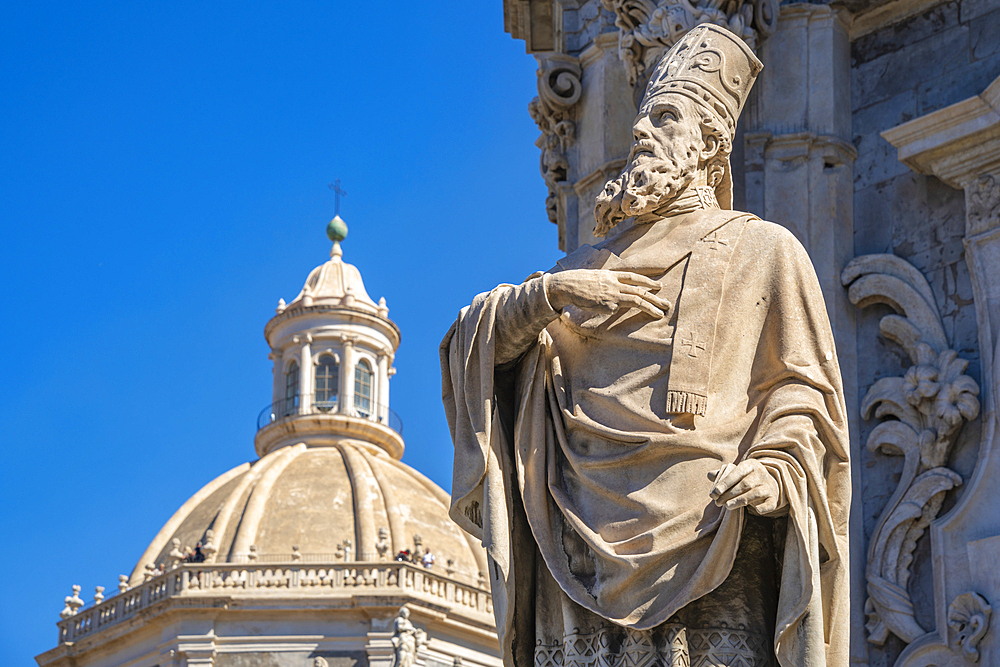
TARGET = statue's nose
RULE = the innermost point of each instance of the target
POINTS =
(641, 128)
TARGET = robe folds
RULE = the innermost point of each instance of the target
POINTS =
(591, 439)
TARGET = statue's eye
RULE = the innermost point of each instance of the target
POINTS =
(664, 114)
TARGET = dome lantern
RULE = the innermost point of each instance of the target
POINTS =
(332, 348)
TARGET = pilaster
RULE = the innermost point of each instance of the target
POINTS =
(383, 386)
(605, 113)
(346, 401)
(306, 370)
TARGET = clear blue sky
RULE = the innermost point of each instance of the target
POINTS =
(163, 174)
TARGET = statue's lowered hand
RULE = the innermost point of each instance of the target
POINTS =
(600, 289)
(747, 484)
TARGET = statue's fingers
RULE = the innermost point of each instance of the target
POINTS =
(629, 278)
(735, 491)
(764, 503)
(644, 293)
(736, 503)
(641, 304)
(730, 478)
(755, 497)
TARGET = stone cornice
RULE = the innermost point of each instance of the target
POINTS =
(604, 42)
(606, 171)
(866, 22)
(344, 313)
(327, 428)
(795, 145)
(957, 143)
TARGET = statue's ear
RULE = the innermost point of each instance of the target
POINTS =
(711, 146)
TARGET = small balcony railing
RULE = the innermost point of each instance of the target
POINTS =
(290, 407)
(191, 584)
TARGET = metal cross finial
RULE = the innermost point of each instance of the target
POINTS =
(335, 186)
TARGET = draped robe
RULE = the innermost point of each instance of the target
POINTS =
(588, 440)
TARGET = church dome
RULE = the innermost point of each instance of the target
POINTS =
(329, 485)
(346, 502)
(292, 558)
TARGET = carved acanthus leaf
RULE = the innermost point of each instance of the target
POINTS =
(969, 616)
(983, 203)
(647, 28)
(559, 89)
(924, 411)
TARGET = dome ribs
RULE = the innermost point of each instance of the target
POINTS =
(170, 527)
(221, 525)
(247, 532)
(365, 491)
(397, 531)
(442, 496)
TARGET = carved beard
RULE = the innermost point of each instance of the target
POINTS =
(648, 183)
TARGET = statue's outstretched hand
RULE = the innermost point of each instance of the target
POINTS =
(748, 483)
(600, 289)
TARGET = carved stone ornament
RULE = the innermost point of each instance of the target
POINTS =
(969, 616)
(647, 28)
(923, 412)
(983, 203)
(673, 648)
(559, 88)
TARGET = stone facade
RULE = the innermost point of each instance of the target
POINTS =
(886, 117)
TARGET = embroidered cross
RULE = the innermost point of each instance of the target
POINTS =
(714, 241)
(691, 342)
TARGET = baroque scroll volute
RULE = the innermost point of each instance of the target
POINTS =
(559, 89)
(922, 413)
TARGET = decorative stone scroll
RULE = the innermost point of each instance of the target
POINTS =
(923, 412)
(559, 89)
(969, 616)
(647, 28)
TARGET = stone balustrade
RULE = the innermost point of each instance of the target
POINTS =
(201, 580)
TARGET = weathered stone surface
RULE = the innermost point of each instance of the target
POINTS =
(985, 36)
(958, 84)
(901, 35)
(973, 9)
(897, 71)
(877, 161)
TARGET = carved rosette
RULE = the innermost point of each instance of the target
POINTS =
(647, 28)
(559, 89)
(923, 412)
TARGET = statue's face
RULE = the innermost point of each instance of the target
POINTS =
(666, 148)
(667, 151)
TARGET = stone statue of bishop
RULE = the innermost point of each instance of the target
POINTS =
(650, 437)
